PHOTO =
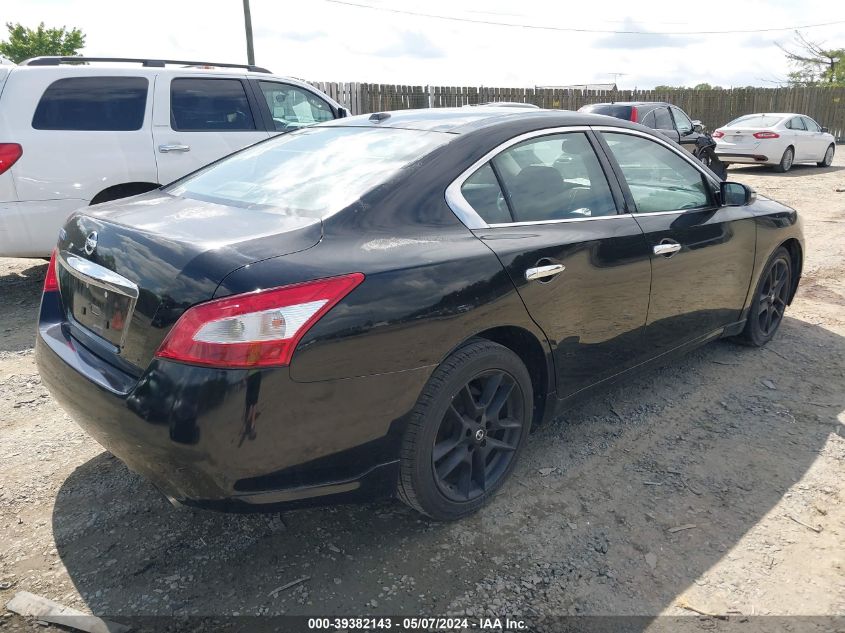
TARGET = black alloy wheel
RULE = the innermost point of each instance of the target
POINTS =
(466, 431)
(478, 435)
(770, 300)
(773, 297)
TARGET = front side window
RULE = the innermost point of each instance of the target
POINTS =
(292, 107)
(205, 104)
(682, 121)
(812, 126)
(312, 172)
(103, 104)
(658, 178)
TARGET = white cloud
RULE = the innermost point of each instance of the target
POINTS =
(319, 40)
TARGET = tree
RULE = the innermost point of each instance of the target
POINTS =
(24, 43)
(703, 86)
(814, 64)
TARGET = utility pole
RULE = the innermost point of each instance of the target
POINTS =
(250, 53)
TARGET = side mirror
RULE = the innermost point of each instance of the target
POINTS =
(697, 126)
(735, 194)
(342, 113)
(825, 130)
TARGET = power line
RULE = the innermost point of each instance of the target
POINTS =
(453, 18)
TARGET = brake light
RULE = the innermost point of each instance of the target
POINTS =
(9, 154)
(766, 135)
(51, 281)
(254, 329)
(634, 114)
(718, 134)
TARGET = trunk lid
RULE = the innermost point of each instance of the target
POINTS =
(128, 269)
(740, 139)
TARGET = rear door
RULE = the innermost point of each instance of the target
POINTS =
(198, 119)
(580, 265)
(802, 140)
(819, 141)
(702, 254)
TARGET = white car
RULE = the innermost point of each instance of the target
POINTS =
(779, 139)
(74, 135)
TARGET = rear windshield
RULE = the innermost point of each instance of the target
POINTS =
(755, 120)
(619, 111)
(311, 172)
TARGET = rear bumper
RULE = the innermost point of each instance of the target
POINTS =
(31, 229)
(733, 157)
(235, 440)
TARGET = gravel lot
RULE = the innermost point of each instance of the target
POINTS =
(733, 444)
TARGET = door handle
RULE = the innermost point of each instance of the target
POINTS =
(541, 272)
(173, 147)
(667, 248)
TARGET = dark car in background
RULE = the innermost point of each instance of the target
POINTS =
(670, 121)
(385, 305)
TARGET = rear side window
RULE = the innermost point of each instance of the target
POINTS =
(201, 104)
(663, 120)
(101, 104)
(555, 177)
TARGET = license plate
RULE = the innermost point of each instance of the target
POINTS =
(738, 137)
(102, 311)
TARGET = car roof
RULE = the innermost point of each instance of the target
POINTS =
(464, 120)
(630, 103)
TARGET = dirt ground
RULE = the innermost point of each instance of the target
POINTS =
(742, 448)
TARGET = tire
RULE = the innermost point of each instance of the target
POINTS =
(443, 448)
(827, 161)
(770, 299)
(786, 161)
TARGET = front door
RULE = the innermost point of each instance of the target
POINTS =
(197, 120)
(702, 254)
(580, 265)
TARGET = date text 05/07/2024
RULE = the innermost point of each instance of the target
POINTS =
(420, 623)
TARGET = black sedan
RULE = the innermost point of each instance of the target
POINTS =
(384, 305)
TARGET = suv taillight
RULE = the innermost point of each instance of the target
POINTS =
(254, 329)
(634, 114)
(51, 281)
(9, 154)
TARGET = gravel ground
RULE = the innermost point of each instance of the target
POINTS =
(741, 448)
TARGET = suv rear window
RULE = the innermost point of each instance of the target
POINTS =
(618, 111)
(209, 104)
(103, 104)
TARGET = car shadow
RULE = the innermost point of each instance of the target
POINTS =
(722, 435)
(20, 296)
(797, 171)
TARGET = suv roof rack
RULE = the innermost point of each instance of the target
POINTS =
(150, 63)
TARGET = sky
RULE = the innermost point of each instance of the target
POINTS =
(331, 40)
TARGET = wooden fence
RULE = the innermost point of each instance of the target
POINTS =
(712, 107)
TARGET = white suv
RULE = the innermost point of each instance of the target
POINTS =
(73, 134)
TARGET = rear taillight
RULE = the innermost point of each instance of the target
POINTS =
(635, 116)
(766, 135)
(51, 281)
(9, 154)
(718, 134)
(255, 329)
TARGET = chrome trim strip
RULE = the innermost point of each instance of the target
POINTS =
(94, 274)
(99, 275)
(466, 214)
